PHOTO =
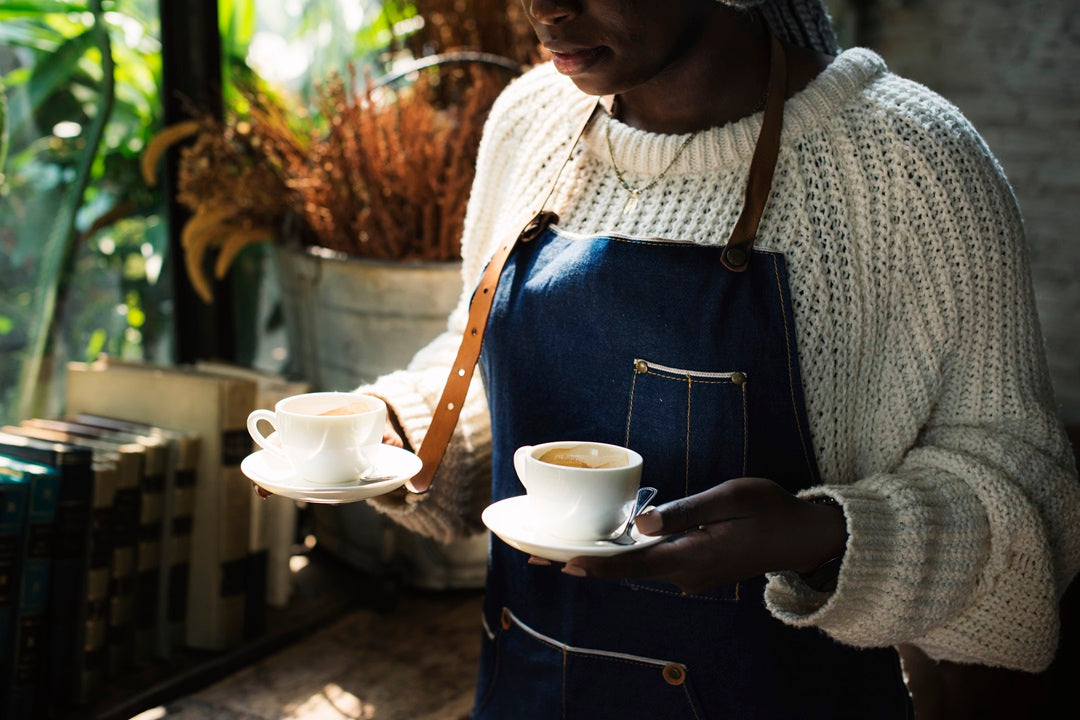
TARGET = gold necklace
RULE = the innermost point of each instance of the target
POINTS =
(631, 204)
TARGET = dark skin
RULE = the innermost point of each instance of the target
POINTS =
(676, 67)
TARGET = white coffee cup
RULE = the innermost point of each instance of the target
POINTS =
(580, 491)
(324, 449)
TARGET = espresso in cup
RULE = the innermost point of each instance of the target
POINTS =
(579, 491)
(327, 437)
(586, 455)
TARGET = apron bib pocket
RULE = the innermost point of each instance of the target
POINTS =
(706, 410)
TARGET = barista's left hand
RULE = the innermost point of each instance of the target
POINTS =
(736, 530)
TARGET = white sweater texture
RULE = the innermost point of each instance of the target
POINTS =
(929, 402)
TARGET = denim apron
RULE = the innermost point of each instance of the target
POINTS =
(655, 345)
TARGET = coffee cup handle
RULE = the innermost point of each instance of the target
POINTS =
(253, 430)
(520, 455)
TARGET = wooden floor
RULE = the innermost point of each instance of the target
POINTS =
(416, 661)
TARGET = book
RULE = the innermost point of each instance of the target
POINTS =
(179, 506)
(273, 521)
(119, 548)
(152, 566)
(26, 674)
(216, 409)
(14, 498)
(90, 660)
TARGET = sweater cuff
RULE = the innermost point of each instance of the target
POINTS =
(405, 402)
(866, 572)
(451, 509)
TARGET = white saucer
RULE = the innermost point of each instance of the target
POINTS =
(511, 520)
(391, 467)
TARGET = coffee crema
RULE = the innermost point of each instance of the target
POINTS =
(354, 408)
(586, 456)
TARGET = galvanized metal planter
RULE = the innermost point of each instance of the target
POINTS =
(350, 320)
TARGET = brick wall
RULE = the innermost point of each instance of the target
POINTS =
(1011, 67)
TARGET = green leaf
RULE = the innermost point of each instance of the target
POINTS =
(56, 70)
(3, 131)
(6, 325)
(37, 8)
(95, 345)
(30, 35)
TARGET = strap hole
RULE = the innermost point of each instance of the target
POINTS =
(461, 372)
(449, 406)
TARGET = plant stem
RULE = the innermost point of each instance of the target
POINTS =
(58, 257)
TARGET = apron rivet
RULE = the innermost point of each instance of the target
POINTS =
(641, 366)
(504, 618)
(736, 256)
(674, 674)
(738, 378)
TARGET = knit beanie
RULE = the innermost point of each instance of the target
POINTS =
(802, 23)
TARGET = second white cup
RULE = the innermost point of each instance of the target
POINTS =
(327, 437)
(580, 491)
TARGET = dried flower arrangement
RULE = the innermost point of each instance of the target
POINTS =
(373, 172)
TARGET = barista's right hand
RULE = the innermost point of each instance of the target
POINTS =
(391, 436)
(393, 432)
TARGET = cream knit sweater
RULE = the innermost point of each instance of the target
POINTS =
(928, 397)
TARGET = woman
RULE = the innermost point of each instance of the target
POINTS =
(840, 393)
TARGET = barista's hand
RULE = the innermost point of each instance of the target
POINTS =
(390, 437)
(736, 530)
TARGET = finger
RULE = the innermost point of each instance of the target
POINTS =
(713, 505)
(534, 560)
(261, 491)
(392, 438)
(656, 562)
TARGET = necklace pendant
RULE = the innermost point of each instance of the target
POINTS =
(631, 204)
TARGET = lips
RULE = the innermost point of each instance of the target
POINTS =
(570, 61)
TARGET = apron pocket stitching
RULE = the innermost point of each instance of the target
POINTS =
(630, 412)
(690, 701)
(592, 652)
(686, 464)
(745, 427)
(637, 587)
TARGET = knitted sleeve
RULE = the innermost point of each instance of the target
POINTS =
(966, 543)
(462, 486)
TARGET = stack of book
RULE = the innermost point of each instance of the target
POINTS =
(128, 532)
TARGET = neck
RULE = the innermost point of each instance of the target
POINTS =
(719, 76)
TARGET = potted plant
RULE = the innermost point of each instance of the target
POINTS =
(363, 195)
(363, 198)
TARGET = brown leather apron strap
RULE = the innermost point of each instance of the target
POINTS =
(736, 256)
(448, 410)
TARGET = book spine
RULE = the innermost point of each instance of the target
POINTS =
(68, 577)
(24, 692)
(121, 635)
(91, 674)
(182, 525)
(13, 500)
(148, 561)
(234, 519)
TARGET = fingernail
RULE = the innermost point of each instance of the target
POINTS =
(648, 522)
(574, 570)
(533, 560)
